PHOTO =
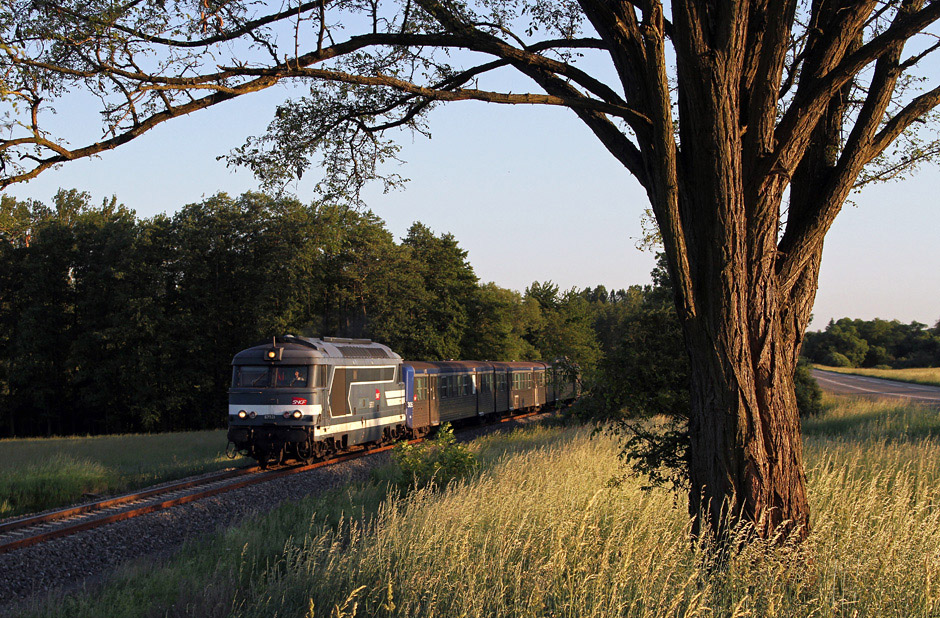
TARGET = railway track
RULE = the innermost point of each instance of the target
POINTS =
(34, 529)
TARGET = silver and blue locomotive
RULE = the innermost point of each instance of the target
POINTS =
(305, 399)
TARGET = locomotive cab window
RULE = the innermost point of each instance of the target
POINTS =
(282, 376)
(294, 376)
(249, 376)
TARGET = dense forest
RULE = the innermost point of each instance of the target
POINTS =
(111, 323)
(874, 343)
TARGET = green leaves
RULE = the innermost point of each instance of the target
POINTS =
(434, 462)
(330, 130)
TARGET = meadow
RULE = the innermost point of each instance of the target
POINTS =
(539, 530)
(42, 473)
(919, 375)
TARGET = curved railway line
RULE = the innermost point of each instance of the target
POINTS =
(35, 529)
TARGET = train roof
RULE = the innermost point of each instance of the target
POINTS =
(294, 349)
(473, 366)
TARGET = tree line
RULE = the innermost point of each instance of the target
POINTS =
(885, 344)
(112, 323)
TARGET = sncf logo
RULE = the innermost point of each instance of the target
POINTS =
(299, 401)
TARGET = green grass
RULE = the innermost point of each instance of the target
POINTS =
(927, 375)
(41, 473)
(539, 531)
(863, 419)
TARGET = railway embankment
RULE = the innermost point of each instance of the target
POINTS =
(57, 568)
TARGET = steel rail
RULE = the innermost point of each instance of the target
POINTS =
(35, 520)
(258, 477)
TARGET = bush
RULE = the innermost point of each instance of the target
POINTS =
(835, 359)
(437, 461)
(808, 393)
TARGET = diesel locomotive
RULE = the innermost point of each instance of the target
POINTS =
(305, 399)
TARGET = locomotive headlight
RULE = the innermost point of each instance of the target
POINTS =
(252, 414)
(297, 414)
(242, 414)
(287, 415)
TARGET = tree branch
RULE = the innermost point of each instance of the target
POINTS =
(798, 121)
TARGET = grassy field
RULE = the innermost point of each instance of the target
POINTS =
(37, 474)
(540, 531)
(929, 375)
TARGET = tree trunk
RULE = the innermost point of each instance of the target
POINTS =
(743, 337)
(742, 328)
(746, 459)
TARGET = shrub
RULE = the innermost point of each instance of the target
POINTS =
(835, 359)
(808, 393)
(437, 461)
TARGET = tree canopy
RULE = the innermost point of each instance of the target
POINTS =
(874, 343)
(368, 67)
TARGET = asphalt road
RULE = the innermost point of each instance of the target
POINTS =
(844, 384)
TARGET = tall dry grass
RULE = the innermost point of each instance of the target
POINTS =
(540, 532)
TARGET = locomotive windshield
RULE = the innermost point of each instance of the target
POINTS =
(263, 376)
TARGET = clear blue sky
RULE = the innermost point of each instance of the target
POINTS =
(532, 195)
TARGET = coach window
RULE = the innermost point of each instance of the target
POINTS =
(421, 389)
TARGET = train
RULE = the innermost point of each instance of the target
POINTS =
(306, 399)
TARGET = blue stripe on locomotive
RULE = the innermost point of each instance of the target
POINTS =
(408, 375)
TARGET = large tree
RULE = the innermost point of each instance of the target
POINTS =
(748, 123)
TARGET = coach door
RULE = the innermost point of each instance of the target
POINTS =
(434, 400)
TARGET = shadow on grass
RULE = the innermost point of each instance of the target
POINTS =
(896, 422)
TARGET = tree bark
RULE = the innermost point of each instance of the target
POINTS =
(746, 459)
